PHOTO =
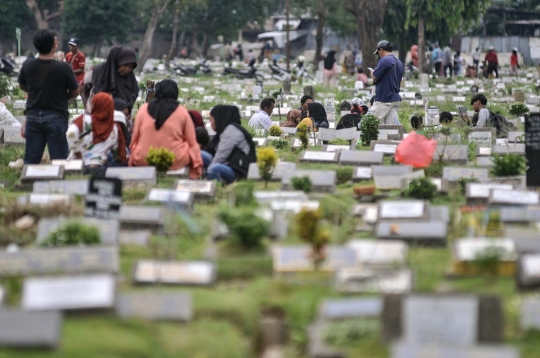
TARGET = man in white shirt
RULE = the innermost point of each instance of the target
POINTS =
(261, 118)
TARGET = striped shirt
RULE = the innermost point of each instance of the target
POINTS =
(260, 120)
(231, 138)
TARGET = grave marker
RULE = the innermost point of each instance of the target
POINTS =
(104, 198)
(160, 306)
(74, 166)
(458, 154)
(319, 157)
(297, 259)
(362, 173)
(379, 254)
(175, 272)
(141, 217)
(513, 197)
(430, 232)
(33, 172)
(133, 175)
(203, 190)
(322, 180)
(453, 174)
(108, 229)
(182, 198)
(409, 210)
(532, 149)
(360, 158)
(22, 329)
(385, 147)
(70, 187)
(484, 136)
(265, 197)
(346, 308)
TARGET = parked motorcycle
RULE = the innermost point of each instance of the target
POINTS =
(183, 70)
(7, 66)
(279, 73)
(301, 71)
(250, 72)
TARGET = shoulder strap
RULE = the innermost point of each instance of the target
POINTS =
(73, 59)
(388, 70)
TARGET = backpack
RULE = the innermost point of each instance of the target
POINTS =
(501, 124)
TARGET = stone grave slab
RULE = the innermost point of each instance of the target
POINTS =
(362, 173)
(182, 198)
(70, 166)
(468, 249)
(478, 193)
(179, 173)
(519, 181)
(141, 217)
(175, 272)
(134, 237)
(458, 154)
(388, 281)
(516, 137)
(33, 172)
(403, 210)
(108, 229)
(407, 350)
(260, 142)
(68, 293)
(297, 259)
(429, 233)
(23, 329)
(385, 147)
(322, 180)
(439, 213)
(483, 136)
(528, 275)
(337, 148)
(44, 200)
(483, 152)
(289, 130)
(202, 189)
(393, 132)
(12, 136)
(530, 314)
(513, 197)
(70, 187)
(44, 261)
(319, 157)
(326, 134)
(155, 306)
(266, 197)
(387, 182)
(379, 254)
(517, 148)
(294, 206)
(345, 308)
(453, 174)
(360, 158)
(523, 214)
(486, 162)
(133, 175)
(398, 170)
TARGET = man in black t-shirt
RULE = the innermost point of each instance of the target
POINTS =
(50, 84)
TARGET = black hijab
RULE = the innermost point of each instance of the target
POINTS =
(165, 102)
(329, 60)
(317, 115)
(223, 116)
(105, 77)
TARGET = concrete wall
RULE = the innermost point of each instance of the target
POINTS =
(528, 47)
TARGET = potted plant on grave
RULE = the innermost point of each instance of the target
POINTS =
(73, 234)
(308, 223)
(302, 183)
(508, 165)
(160, 158)
(267, 159)
(302, 132)
(518, 109)
(421, 188)
(275, 131)
(369, 127)
(246, 228)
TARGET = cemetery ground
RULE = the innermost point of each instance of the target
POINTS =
(227, 315)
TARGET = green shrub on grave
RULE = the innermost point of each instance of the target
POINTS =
(247, 229)
(338, 141)
(344, 174)
(275, 131)
(370, 129)
(434, 170)
(71, 234)
(336, 207)
(279, 143)
(350, 331)
(518, 109)
(421, 188)
(160, 158)
(267, 159)
(243, 193)
(473, 148)
(508, 165)
(487, 261)
(4, 86)
(302, 132)
(302, 183)
(462, 182)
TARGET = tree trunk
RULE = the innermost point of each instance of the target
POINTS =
(146, 49)
(206, 42)
(369, 16)
(172, 49)
(288, 48)
(181, 42)
(321, 19)
(421, 43)
(402, 55)
(40, 21)
(97, 49)
(194, 43)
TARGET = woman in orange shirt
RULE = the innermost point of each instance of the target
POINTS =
(164, 123)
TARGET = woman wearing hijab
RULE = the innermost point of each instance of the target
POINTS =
(164, 123)
(116, 76)
(231, 151)
(93, 136)
(330, 70)
(353, 118)
(196, 117)
(293, 118)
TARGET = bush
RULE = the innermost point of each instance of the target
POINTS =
(279, 143)
(246, 228)
(487, 261)
(267, 159)
(73, 233)
(302, 132)
(338, 141)
(243, 193)
(4, 86)
(344, 174)
(302, 183)
(309, 230)
(434, 170)
(160, 158)
(350, 331)
(369, 125)
(336, 205)
(275, 131)
(421, 188)
(462, 182)
(518, 109)
(508, 165)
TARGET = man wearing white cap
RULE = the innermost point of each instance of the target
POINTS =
(492, 62)
(514, 62)
(76, 60)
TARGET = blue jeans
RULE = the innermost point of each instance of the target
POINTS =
(219, 172)
(45, 128)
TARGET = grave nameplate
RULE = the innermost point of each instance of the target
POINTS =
(180, 173)
(68, 293)
(277, 174)
(530, 314)
(379, 253)
(134, 237)
(161, 306)
(69, 165)
(388, 281)
(431, 232)
(329, 134)
(484, 136)
(513, 197)
(362, 173)
(476, 192)
(458, 154)
(32, 172)
(453, 174)
(360, 157)
(265, 197)
(294, 206)
(319, 157)
(484, 151)
(470, 249)
(351, 308)
(23, 329)
(532, 149)
(203, 190)
(518, 148)
(44, 200)
(410, 209)
(108, 229)
(398, 170)
(175, 272)
(182, 198)
(141, 217)
(394, 132)
(322, 180)
(133, 175)
(408, 350)
(387, 182)
(387, 148)
(337, 148)
(59, 260)
(104, 198)
(70, 187)
(298, 259)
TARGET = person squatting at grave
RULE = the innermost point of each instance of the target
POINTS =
(116, 77)
(293, 118)
(316, 117)
(200, 130)
(92, 136)
(330, 70)
(261, 118)
(352, 119)
(228, 155)
(50, 85)
(164, 123)
(387, 77)
(304, 102)
(445, 118)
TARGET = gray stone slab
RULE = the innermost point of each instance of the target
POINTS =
(34, 172)
(70, 166)
(484, 152)
(77, 260)
(277, 174)
(407, 350)
(513, 197)
(134, 237)
(327, 134)
(380, 254)
(458, 154)
(175, 272)
(387, 182)
(430, 232)
(183, 199)
(388, 281)
(530, 314)
(360, 158)
(453, 174)
(478, 193)
(528, 275)
(317, 347)
(322, 180)
(155, 306)
(108, 229)
(319, 157)
(439, 213)
(386, 147)
(346, 308)
(362, 173)
(516, 137)
(403, 210)
(337, 148)
(289, 130)
(44, 200)
(12, 136)
(141, 217)
(179, 173)
(70, 187)
(297, 259)
(260, 142)
(397, 170)
(202, 189)
(518, 148)
(68, 292)
(393, 132)
(22, 329)
(518, 181)
(468, 249)
(133, 175)
(483, 136)
(522, 214)
(484, 162)
(266, 197)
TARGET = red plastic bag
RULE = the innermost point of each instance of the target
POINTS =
(416, 150)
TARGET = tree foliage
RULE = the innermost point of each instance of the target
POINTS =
(12, 15)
